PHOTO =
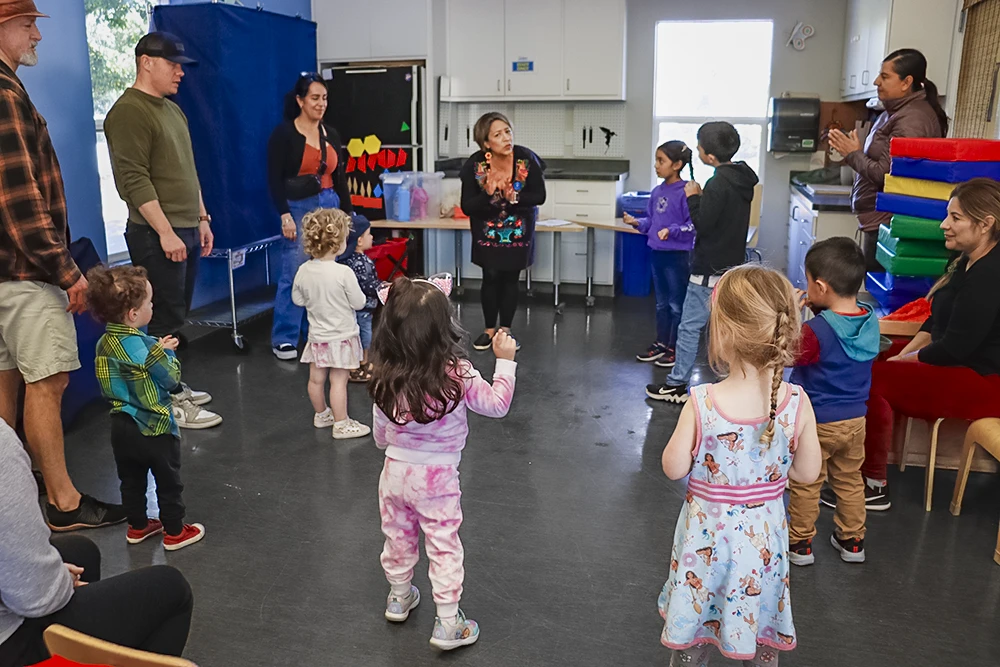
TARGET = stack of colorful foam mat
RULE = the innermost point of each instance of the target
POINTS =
(917, 190)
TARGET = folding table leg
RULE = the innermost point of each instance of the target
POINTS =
(590, 267)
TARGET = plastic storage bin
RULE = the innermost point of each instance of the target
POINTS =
(632, 272)
(412, 195)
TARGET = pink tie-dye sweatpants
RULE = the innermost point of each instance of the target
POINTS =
(428, 496)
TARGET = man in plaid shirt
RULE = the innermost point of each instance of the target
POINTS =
(40, 284)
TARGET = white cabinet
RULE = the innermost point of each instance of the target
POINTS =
(533, 47)
(347, 30)
(475, 51)
(876, 28)
(545, 50)
(594, 67)
(807, 225)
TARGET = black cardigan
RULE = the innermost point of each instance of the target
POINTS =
(503, 233)
(284, 159)
(965, 318)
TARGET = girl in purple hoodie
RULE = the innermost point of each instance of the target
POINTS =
(667, 224)
(423, 387)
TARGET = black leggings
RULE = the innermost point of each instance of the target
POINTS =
(147, 609)
(499, 294)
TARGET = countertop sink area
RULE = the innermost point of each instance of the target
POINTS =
(567, 169)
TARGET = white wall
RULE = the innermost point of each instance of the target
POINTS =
(815, 70)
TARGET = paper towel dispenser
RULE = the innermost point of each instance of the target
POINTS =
(793, 125)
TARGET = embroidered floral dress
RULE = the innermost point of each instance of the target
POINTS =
(728, 582)
(503, 230)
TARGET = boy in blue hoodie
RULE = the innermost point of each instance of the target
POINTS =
(835, 369)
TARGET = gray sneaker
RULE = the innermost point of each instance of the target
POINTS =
(397, 609)
(448, 636)
(187, 393)
(189, 415)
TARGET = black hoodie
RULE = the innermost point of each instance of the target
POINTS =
(721, 217)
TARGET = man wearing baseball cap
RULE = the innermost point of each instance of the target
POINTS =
(168, 228)
(40, 284)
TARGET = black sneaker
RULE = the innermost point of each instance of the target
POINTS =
(828, 498)
(801, 553)
(876, 496)
(285, 352)
(484, 342)
(851, 551)
(655, 351)
(667, 360)
(667, 392)
(91, 513)
(40, 481)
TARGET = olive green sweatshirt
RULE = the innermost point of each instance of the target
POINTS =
(152, 158)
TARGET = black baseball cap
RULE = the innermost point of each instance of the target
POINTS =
(163, 45)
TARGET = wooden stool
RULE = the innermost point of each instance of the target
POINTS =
(931, 459)
(986, 434)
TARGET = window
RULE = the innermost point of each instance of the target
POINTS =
(113, 28)
(713, 70)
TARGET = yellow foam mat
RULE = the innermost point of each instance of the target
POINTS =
(914, 187)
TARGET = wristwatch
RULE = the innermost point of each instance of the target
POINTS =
(205, 218)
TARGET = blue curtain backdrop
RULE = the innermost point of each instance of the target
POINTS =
(233, 98)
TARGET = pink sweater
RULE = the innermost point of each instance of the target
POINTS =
(441, 442)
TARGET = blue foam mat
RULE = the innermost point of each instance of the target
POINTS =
(945, 172)
(918, 207)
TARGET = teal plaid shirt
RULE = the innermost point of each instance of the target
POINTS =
(136, 375)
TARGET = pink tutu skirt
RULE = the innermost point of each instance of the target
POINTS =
(345, 354)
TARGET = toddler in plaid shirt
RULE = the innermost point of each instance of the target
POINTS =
(138, 374)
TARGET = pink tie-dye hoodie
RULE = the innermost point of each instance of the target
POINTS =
(441, 442)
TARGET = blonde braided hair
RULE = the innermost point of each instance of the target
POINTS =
(755, 321)
(324, 230)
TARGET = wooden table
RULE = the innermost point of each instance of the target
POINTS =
(447, 224)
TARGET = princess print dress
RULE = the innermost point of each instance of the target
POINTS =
(728, 582)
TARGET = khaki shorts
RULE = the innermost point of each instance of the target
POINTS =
(37, 335)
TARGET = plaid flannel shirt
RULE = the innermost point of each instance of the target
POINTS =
(136, 375)
(34, 234)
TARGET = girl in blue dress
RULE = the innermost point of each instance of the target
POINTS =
(738, 441)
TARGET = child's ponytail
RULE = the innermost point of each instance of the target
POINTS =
(784, 339)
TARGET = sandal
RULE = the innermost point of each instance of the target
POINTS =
(360, 375)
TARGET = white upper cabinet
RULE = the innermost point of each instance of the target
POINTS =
(545, 50)
(533, 47)
(594, 67)
(876, 28)
(475, 50)
(348, 30)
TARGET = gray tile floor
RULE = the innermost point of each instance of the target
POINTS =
(568, 526)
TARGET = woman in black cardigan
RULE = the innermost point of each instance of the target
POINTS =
(301, 179)
(501, 186)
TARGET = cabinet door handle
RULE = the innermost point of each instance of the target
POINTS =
(508, 85)
(854, 81)
(582, 215)
(567, 84)
(583, 190)
(864, 78)
(498, 85)
(795, 210)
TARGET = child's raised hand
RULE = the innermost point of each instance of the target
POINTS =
(664, 234)
(801, 298)
(691, 188)
(629, 220)
(169, 343)
(504, 347)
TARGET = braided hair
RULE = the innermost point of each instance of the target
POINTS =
(678, 151)
(755, 321)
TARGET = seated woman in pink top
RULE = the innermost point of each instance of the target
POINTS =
(422, 386)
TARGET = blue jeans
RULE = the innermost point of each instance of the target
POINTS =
(365, 324)
(290, 320)
(670, 269)
(693, 321)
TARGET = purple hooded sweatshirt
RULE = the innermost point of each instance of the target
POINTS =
(668, 209)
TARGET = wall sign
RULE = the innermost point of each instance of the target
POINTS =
(523, 66)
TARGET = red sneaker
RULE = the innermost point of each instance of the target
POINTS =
(193, 532)
(153, 527)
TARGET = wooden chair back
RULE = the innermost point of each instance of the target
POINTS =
(78, 647)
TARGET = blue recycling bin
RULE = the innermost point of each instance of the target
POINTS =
(632, 272)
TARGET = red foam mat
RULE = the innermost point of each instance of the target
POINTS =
(947, 150)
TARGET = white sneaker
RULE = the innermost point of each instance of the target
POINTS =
(324, 419)
(397, 609)
(448, 636)
(193, 395)
(349, 429)
(285, 351)
(189, 415)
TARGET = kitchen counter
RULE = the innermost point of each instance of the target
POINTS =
(836, 203)
(565, 169)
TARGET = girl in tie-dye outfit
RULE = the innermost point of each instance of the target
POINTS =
(739, 441)
(422, 386)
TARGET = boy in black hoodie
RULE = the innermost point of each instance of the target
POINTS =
(721, 216)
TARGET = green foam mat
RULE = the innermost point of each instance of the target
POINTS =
(908, 227)
(911, 247)
(910, 266)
